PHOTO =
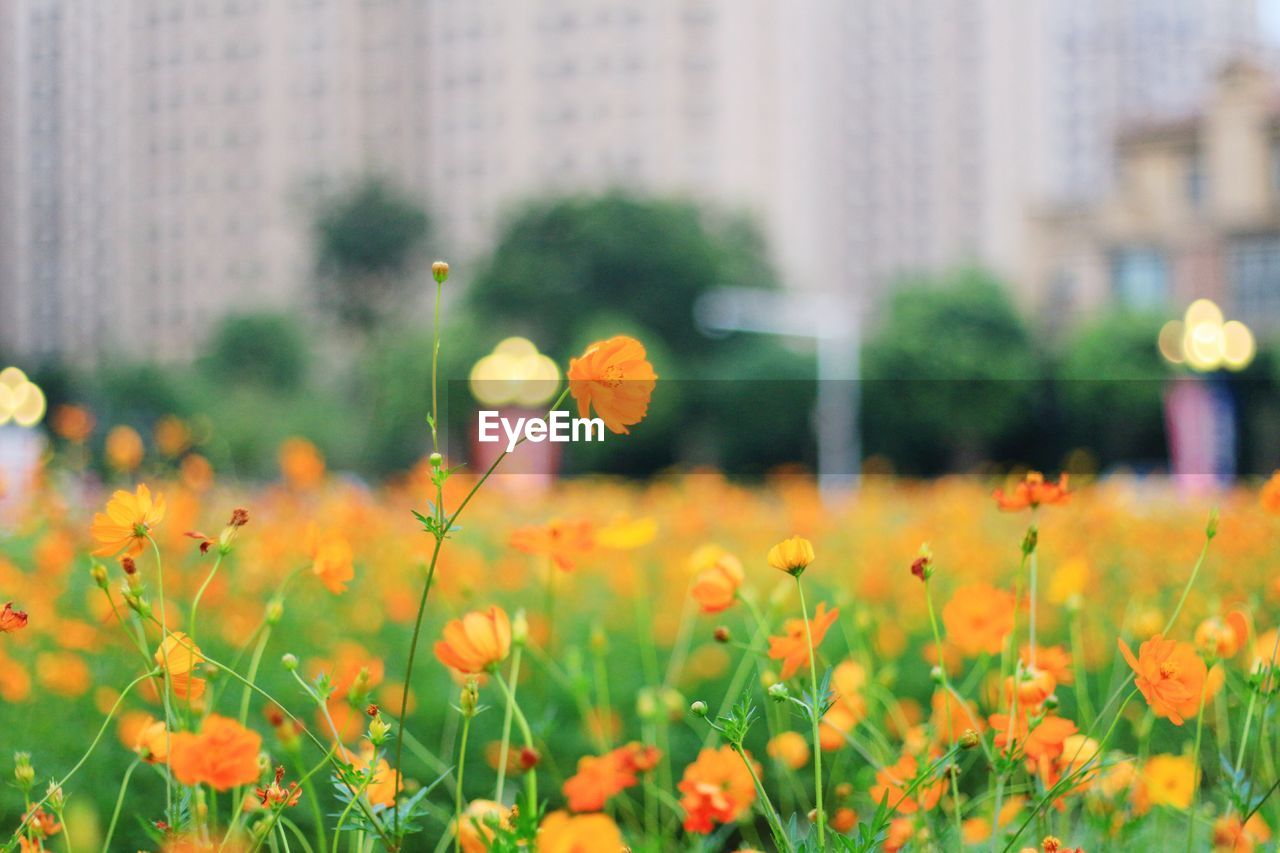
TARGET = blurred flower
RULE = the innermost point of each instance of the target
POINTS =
(479, 820)
(11, 620)
(1033, 491)
(223, 754)
(599, 778)
(129, 519)
(716, 588)
(1169, 780)
(565, 542)
(615, 379)
(301, 463)
(179, 657)
(561, 832)
(1270, 494)
(172, 435)
(1038, 739)
(331, 559)
(626, 534)
(792, 555)
(1232, 836)
(73, 423)
(152, 741)
(893, 781)
(124, 448)
(476, 642)
(978, 618)
(1170, 675)
(789, 749)
(1222, 637)
(792, 648)
(716, 788)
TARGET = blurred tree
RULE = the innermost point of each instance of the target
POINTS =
(269, 350)
(560, 262)
(951, 377)
(366, 241)
(1111, 388)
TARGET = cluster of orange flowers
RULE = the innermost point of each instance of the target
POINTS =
(1007, 716)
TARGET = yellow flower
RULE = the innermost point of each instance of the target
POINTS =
(129, 519)
(1170, 780)
(792, 555)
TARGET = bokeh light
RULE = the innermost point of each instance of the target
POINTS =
(515, 373)
(21, 400)
(1204, 342)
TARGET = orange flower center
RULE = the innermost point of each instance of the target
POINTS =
(612, 376)
(1168, 669)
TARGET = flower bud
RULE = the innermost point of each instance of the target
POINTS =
(722, 634)
(936, 674)
(520, 628)
(698, 709)
(529, 758)
(435, 460)
(646, 704)
(379, 729)
(54, 797)
(1051, 702)
(275, 609)
(778, 692)
(289, 661)
(922, 567)
(969, 739)
(99, 574)
(1029, 541)
(23, 773)
(470, 698)
(440, 272)
(1211, 528)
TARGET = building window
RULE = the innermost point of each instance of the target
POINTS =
(1254, 278)
(1140, 277)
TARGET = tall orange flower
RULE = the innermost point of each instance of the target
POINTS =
(476, 642)
(223, 754)
(978, 618)
(615, 378)
(179, 657)
(1170, 675)
(1033, 491)
(129, 519)
(561, 832)
(11, 620)
(792, 555)
(716, 788)
(601, 777)
(792, 648)
(716, 588)
(565, 542)
(332, 560)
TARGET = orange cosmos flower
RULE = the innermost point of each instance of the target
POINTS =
(615, 378)
(1223, 638)
(1040, 744)
(124, 527)
(124, 448)
(74, 423)
(789, 749)
(565, 542)
(1270, 496)
(792, 555)
(179, 657)
(223, 755)
(1170, 675)
(599, 778)
(1033, 491)
(561, 832)
(716, 588)
(476, 642)
(892, 784)
(792, 648)
(277, 795)
(479, 819)
(301, 463)
(385, 784)
(1232, 836)
(331, 559)
(1169, 780)
(1054, 660)
(717, 788)
(978, 618)
(152, 742)
(12, 620)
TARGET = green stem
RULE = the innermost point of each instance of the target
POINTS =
(457, 799)
(770, 813)
(1195, 773)
(821, 819)
(195, 602)
(505, 750)
(115, 813)
(166, 690)
(1186, 590)
(531, 775)
(946, 707)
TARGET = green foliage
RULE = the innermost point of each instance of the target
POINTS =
(560, 262)
(366, 240)
(263, 349)
(950, 376)
(1111, 385)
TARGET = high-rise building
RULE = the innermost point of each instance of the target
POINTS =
(159, 156)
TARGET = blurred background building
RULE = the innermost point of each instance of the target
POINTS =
(160, 156)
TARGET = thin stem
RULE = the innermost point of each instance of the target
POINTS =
(814, 716)
(946, 707)
(166, 688)
(1195, 771)
(115, 813)
(531, 775)
(195, 602)
(770, 813)
(457, 799)
(1186, 590)
(505, 750)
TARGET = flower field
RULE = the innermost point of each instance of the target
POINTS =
(451, 661)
